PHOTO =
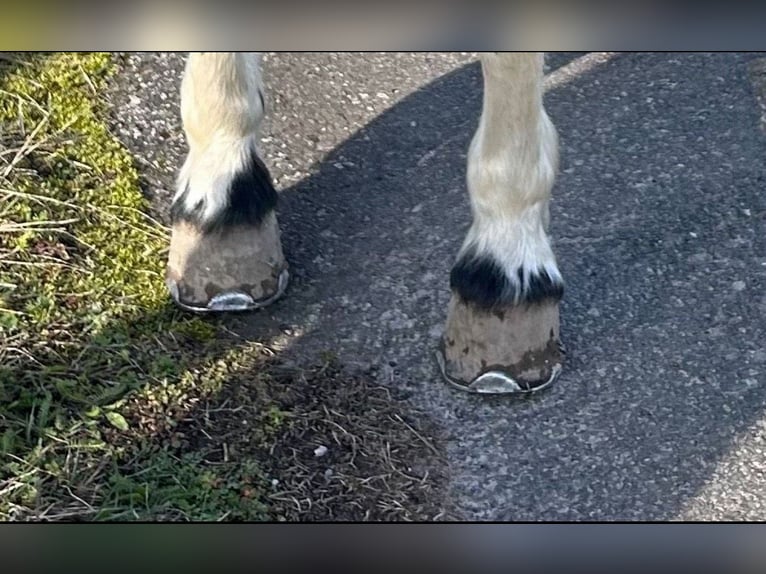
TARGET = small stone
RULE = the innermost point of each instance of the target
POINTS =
(320, 451)
(738, 285)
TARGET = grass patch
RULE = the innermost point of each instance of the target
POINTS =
(95, 366)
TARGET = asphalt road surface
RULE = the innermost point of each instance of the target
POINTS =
(658, 223)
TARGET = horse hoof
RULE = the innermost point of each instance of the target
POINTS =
(515, 350)
(239, 268)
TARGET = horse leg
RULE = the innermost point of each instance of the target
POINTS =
(502, 331)
(225, 248)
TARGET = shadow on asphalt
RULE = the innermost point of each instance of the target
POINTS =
(651, 232)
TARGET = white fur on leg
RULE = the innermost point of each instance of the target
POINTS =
(222, 106)
(517, 246)
(512, 164)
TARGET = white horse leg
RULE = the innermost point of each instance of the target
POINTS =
(502, 332)
(225, 249)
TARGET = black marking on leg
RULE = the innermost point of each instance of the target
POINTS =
(541, 287)
(479, 280)
(250, 198)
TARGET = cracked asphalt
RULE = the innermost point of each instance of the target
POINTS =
(658, 223)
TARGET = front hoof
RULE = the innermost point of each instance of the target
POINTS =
(510, 350)
(238, 268)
